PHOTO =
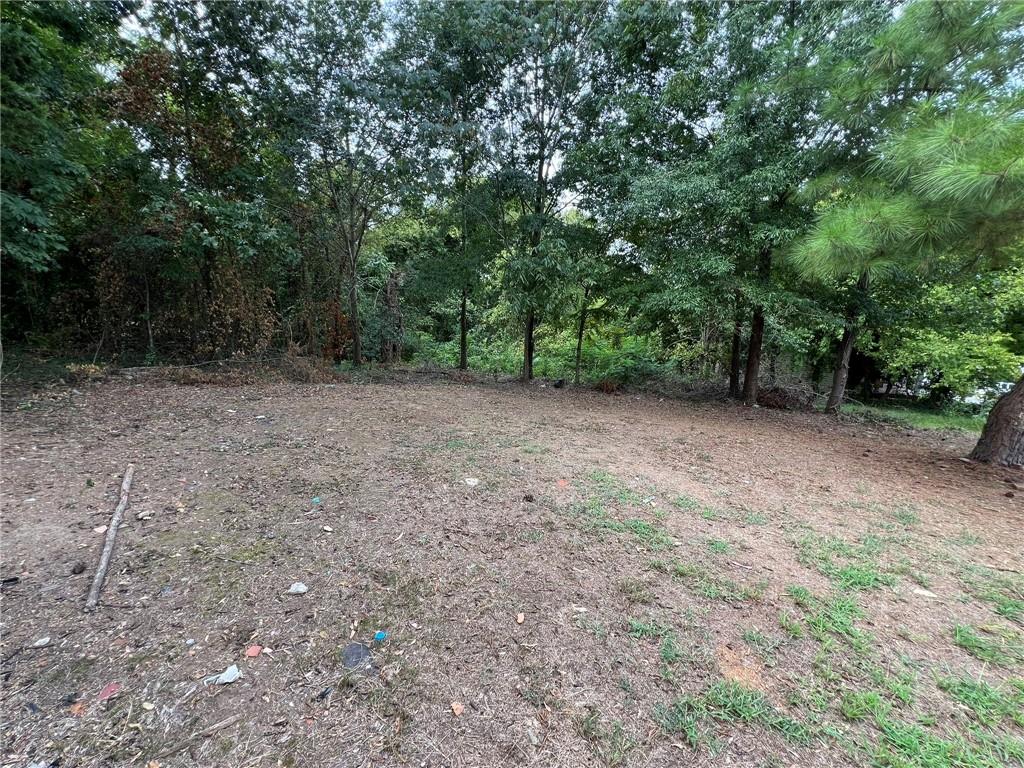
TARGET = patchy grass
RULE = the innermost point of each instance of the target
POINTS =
(908, 745)
(989, 704)
(918, 418)
(610, 744)
(726, 702)
(702, 580)
(690, 504)
(763, 645)
(849, 566)
(994, 644)
(636, 591)
(719, 547)
(638, 628)
(859, 705)
(1003, 591)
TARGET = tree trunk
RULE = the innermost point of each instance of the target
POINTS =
(353, 316)
(835, 396)
(753, 357)
(750, 383)
(838, 392)
(528, 347)
(579, 333)
(463, 333)
(735, 357)
(1002, 439)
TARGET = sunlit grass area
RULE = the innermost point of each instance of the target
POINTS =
(919, 417)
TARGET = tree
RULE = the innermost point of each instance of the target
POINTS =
(545, 80)
(50, 114)
(944, 175)
(459, 47)
(342, 105)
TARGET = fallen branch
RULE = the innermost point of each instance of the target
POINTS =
(108, 544)
(201, 734)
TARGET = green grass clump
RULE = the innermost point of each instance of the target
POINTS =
(907, 745)
(834, 616)
(851, 566)
(670, 651)
(690, 504)
(859, 705)
(649, 535)
(791, 624)
(989, 704)
(719, 547)
(650, 628)
(727, 702)
(997, 645)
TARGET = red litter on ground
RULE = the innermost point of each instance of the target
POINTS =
(109, 690)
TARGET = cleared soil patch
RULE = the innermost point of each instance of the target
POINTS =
(698, 584)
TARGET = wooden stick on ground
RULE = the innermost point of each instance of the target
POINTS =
(108, 544)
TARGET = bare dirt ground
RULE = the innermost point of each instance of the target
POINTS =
(632, 581)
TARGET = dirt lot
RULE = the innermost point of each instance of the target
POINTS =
(632, 581)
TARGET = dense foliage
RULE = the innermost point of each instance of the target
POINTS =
(740, 192)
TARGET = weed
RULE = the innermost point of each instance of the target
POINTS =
(682, 717)
(594, 627)
(905, 514)
(670, 650)
(726, 702)
(860, 570)
(649, 535)
(690, 504)
(687, 503)
(729, 701)
(755, 518)
(966, 539)
(862, 577)
(907, 745)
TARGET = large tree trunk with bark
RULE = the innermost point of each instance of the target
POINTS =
(579, 333)
(735, 357)
(1002, 439)
(753, 357)
(750, 383)
(528, 346)
(463, 334)
(842, 373)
